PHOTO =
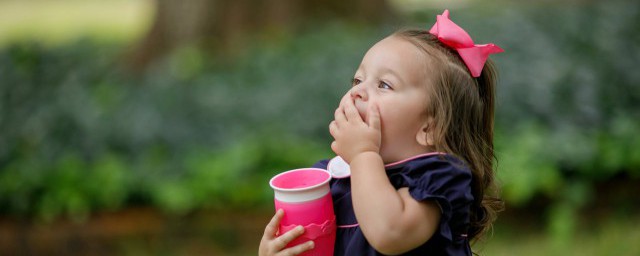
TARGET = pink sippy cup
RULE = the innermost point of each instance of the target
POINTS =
(304, 196)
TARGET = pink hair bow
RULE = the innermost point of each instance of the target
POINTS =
(452, 35)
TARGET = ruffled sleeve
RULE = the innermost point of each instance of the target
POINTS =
(447, 181)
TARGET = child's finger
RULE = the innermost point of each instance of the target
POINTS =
(351, 111)
(298, 249)
(334, 146)
(286, 238)
(345, 98)
(272, 228)
(333, 128)
(339, 115)
(374, 117)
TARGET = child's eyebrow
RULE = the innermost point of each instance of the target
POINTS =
(386, 70)
(383, 70)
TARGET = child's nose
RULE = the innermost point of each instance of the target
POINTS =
(359, 92)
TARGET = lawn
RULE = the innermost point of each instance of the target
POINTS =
(136, 231)
(617, 235)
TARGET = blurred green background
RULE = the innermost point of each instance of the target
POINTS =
(140, 127)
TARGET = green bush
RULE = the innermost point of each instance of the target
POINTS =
(568, 103)
(81, 135)
(568, 111)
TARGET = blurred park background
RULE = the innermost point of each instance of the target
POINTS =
(141, 127)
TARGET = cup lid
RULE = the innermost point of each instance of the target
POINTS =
(301, 185)
(339, 168)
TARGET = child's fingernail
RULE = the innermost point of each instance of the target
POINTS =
(310, 244)
(299, 229)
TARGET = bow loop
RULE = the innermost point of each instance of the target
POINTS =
(452, 35)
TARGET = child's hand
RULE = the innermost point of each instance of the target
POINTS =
(274, 245)
(352, 135)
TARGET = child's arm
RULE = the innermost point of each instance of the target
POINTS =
(391, 220)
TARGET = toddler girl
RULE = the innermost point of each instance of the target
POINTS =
(417, 131)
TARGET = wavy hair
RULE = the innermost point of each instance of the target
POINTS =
(462, 108)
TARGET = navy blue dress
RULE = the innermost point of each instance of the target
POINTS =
(439, 177)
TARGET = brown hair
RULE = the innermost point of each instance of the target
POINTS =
(462, 108)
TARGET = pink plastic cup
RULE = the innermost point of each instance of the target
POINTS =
(304, 196)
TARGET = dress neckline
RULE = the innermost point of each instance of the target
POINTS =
(395, 164)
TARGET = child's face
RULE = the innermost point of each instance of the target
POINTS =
(393, 75)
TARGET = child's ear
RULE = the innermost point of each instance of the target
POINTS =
(425, 134)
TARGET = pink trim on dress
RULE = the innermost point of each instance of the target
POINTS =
(414, 157)
(349, 226)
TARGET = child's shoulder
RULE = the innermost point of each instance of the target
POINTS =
(322, 164)
(437, 164)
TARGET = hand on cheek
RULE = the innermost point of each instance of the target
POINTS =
(352, 136)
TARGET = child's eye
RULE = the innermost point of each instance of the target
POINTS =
(384, 85)
(355, 82)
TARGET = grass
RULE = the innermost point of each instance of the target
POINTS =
(59, 22)
(145, 231)
(614, 235)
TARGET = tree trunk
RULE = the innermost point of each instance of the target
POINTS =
(221, 26)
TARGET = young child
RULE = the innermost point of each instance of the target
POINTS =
(417, 131)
